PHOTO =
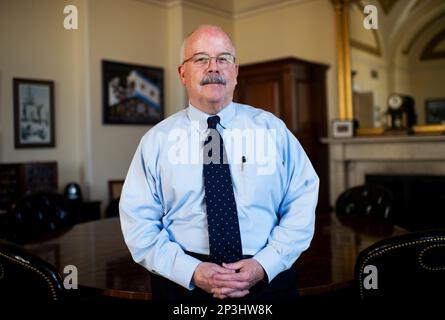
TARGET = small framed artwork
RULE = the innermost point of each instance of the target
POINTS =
(132, 94)
(33, 113)
(342, 128)
(435, 111)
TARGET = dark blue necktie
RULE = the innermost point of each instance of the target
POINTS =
(222, 217)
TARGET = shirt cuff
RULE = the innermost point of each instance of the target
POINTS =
(271, 262)
(183, 270)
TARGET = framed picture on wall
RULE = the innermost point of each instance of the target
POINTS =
(132, 94)
(33, 113)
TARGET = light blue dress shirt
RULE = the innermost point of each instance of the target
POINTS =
(162, 207)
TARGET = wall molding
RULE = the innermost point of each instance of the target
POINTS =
(231, 13)
(421, 31)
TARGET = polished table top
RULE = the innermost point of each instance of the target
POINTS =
(104, 263)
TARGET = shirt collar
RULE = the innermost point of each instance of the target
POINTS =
(198, 118)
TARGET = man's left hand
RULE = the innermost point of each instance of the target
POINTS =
(230, 285)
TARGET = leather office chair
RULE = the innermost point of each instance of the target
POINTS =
(409, 267)
(37, 216)
(366, 208)
(27, 278)
(365, 200)
(112, 209)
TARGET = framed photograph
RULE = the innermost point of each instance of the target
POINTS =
(132, 94)
(435, 111)
(342, 128)
(33, 113)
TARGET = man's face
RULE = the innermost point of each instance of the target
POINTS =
(213, 95)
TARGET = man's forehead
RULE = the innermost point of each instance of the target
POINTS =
(205, 41)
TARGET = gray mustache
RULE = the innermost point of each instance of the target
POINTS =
(213, 79)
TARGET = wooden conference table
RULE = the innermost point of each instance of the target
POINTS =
(105, 266)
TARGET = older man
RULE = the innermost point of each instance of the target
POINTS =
(211, 213)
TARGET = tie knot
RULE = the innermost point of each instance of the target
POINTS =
(213, 121)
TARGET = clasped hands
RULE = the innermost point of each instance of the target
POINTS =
(231, 280)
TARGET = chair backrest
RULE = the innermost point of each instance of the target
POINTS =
(112, 209)
(25, 277)
(37, 216)
(409, 267)
(365, 200)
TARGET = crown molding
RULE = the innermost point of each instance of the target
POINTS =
(230, 14)
(266, 7)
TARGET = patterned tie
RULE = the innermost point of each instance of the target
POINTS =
(222, 217)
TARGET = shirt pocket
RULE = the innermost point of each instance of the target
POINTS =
(255, 185)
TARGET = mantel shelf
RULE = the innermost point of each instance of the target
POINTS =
(386, 139)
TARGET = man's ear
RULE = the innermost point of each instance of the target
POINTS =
(181, 73)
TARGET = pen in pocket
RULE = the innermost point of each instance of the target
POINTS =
(243, 160)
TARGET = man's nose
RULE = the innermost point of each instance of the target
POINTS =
(213, 65)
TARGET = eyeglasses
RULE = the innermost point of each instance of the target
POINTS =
(203, 59)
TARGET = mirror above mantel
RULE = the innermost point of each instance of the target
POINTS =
(404, 58)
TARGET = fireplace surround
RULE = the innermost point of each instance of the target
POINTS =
(406, 164)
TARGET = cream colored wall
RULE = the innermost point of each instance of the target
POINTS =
(35, 45)
(193, 18)
(124, 31)
(175, 92)
(428, 84)
(305, 30)
(427, 75)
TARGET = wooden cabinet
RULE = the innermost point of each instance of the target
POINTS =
(295, 91)
(16, 179)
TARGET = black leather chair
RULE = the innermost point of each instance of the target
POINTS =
(365, 200)
(367, 209)
(112, 209)
(25, 277)
(38, 216)
(408, 268)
